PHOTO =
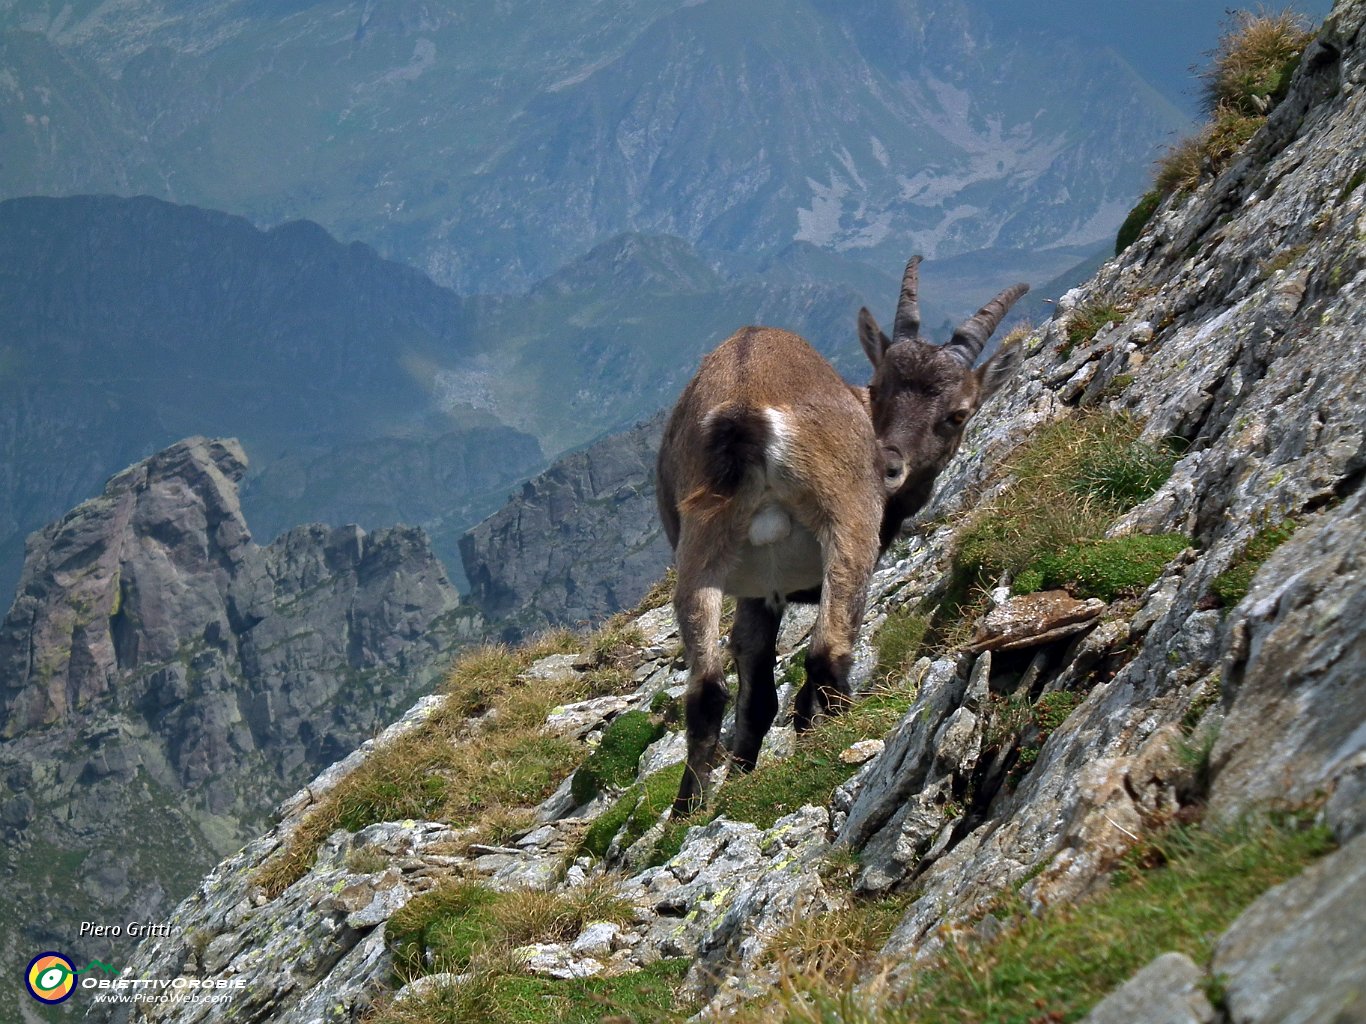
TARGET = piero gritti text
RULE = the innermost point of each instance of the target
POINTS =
(132, 929)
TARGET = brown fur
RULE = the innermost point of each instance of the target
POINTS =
(849, 465)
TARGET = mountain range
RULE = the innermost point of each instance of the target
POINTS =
(455, 139)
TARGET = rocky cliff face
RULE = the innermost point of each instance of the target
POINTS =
(1043, 740)
(579, 542)
(163, 679)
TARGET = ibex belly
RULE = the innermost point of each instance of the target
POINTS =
(779, 556)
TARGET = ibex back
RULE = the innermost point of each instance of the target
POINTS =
(779, 482)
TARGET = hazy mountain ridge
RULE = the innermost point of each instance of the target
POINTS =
(454, 141)
(130, 323)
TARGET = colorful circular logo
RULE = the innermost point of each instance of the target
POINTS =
(51, 978)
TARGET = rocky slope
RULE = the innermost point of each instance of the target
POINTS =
(1030, 756)
(164, 679)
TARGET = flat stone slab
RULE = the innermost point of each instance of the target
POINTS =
(1033, 619)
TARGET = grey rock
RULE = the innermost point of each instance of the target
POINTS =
(786, 886)
(1296, 954)
(1167, 991)
(553, 960)
(906, 811)
(578, 720)
(597, 940)
(1299, 623)
(427, 984)
(669, 749)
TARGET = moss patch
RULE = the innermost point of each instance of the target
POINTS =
(1107, 568)
(1232, 585)
(637, 810)
(1137, 220)
(1052, 709)
(613, 764)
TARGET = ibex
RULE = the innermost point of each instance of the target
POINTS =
(779, 482)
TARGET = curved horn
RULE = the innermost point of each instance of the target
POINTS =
(907, 324)
(969, 340)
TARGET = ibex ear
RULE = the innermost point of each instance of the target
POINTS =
(870, 336)
(997, 370)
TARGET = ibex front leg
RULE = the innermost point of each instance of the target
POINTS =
(849, 562)
(697, 603)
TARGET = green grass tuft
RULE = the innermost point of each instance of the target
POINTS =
(1086, 321)
(613, 764)
(452, 921)
(1110, 567)
(1072, 478)
(1120, 475)
(1232, 585)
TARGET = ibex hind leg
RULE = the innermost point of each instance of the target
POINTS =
(753, 642)
(697, 603)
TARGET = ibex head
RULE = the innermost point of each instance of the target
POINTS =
(922, 395)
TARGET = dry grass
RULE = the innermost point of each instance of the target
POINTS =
(477, 759)
(532, 915)
(1248, 75)
(660, 594)
(1254, 60)
(1178, 169)
(617, 641)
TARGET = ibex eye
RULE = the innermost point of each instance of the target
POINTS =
(958, 418)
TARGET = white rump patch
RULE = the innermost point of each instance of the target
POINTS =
(781, 436)
(769, 525)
